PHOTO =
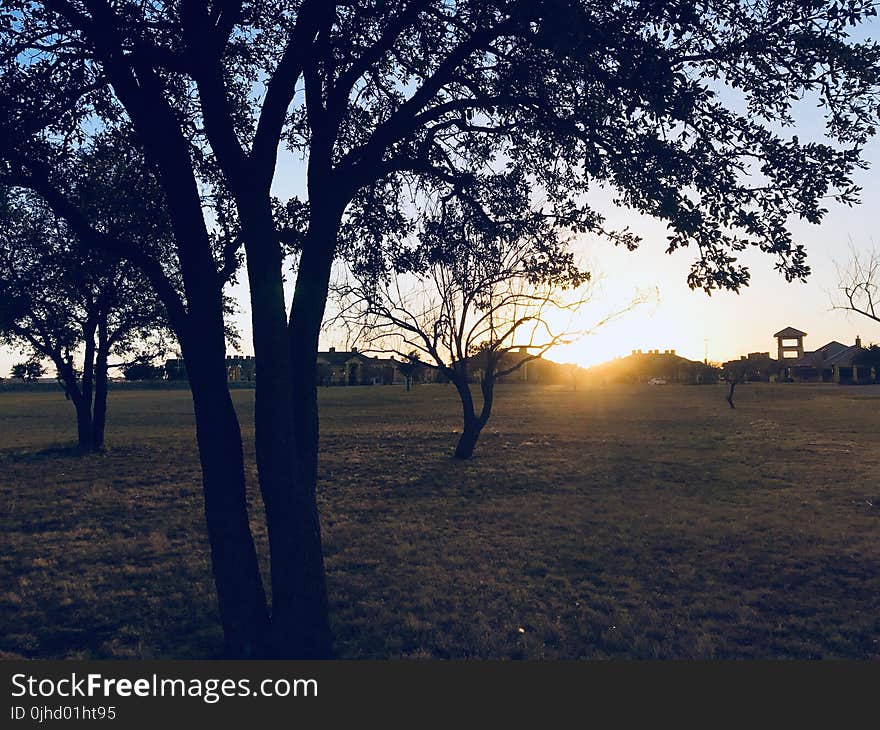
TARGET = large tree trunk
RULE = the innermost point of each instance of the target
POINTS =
(83, 422)
(300, 623)
(99, 408)
(240, 593)
(307, 312)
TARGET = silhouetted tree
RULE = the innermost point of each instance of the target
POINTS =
(57, 300)
(409, 365)
(28, 371)
(736, 372)
(142, 370)
(869, 358)
(382, 101)
(478, 288)
(734, 379)
(755, 367)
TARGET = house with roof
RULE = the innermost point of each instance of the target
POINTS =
(337, 367)
(834, 362)
(756, 366)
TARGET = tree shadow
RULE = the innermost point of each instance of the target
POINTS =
(71, 451)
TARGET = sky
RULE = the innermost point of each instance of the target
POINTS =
(720, 327)
(727, 325)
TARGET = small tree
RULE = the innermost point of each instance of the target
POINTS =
(479, 287)
(736, 374)
(28, 371)
(58, 302)
(142, 369)
(409, 366)
(869, 358)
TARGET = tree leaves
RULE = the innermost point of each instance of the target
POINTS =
(679, 106)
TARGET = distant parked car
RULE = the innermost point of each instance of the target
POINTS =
(657, 381)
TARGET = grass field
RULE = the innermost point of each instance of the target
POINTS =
(624, 522)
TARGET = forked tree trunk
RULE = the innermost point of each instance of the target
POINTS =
(74, 393)
(464, 449)
(299, 623)
(310, 610)
(297, 626)
(473, 423)
(83, 423)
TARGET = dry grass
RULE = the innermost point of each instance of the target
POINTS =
(629, 522)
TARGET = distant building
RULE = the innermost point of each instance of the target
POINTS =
(790, 343)
(653, 352)
(834, 362)
(654, 365)
(536, 370)
(756, 366)
(240, 369)
(354, 368)
(477, 365)
(175, 369)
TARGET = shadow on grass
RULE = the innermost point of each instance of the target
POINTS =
(70, 451)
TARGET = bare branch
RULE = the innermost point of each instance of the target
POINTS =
(859, 284)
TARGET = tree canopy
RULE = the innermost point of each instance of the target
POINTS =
(73, 305)
(464, 283)
(681, 107)
(30, 370)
